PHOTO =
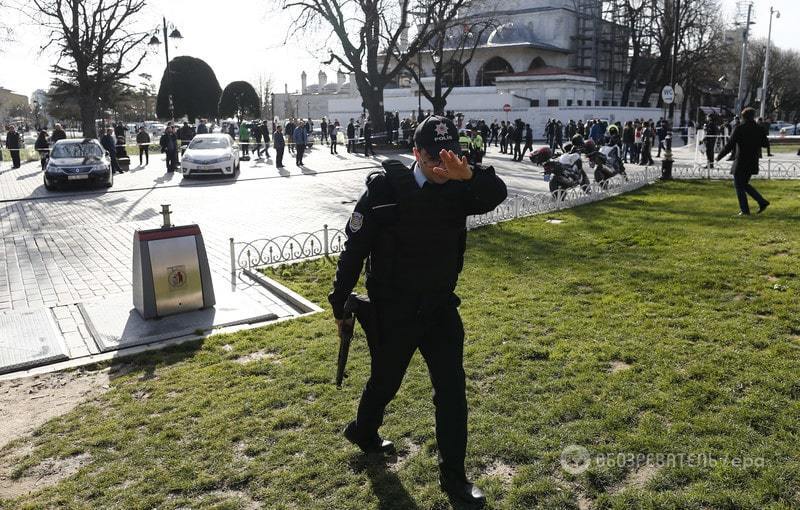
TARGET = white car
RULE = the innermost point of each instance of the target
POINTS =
(213, 153)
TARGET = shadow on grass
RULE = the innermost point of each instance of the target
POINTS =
(146, 364)
(386, 485)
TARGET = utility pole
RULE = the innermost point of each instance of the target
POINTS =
(745, 34)
(676, 12)
(766, 63)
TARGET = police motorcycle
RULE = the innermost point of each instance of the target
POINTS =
(563, 171)
(605, 161)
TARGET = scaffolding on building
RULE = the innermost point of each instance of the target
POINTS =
(602, 45)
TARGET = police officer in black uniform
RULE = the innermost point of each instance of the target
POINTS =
(410, 225)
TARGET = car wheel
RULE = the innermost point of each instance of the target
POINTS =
(48, 186)
(110, 181)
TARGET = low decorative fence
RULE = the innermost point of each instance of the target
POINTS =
(768, 169)
(328, 241)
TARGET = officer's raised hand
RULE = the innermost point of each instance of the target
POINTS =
(451, 167)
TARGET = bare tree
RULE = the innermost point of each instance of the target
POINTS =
(97, 48)
(371, 36)
(451, 50)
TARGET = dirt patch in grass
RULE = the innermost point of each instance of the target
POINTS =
(618, 366)
(49, 472)
(501, 470)
(636, 479)
(258, 356)
(403, 456)
(26, 404)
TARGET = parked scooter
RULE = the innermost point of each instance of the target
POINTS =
(562, 171)
(605, 161)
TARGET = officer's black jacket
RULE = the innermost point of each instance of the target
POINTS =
(414, 238)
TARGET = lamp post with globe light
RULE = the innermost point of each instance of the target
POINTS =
(175, 34)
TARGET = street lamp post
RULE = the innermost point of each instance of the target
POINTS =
(745, 34)
(766, 63)
(175, 34)
(419, 86)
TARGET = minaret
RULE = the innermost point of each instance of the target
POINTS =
(353, 88)
(323, 79)
(303, 78)
(341, 78)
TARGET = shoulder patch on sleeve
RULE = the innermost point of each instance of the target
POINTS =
(356, 221)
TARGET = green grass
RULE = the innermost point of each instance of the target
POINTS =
(785, 148)
(697, 309)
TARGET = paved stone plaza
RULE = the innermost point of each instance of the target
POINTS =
(63, 248)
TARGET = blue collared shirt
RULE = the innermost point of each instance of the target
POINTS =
(419, 176)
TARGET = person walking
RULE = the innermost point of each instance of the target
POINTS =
(529, 139)
(169, 146)
(351, 137)
(143, 141)
(627, 141)
(244, 140)
(265, 133)
(504, 137)
(518, 135)
(333, 132)
(324, 130)
(747, 139)
(422, 209)
(368, 139)
(14, 145)
(280, 145)
(300, 137)
(42, 146)
(202, 128)
(109, 143)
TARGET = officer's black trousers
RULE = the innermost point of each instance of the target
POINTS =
(402, 329)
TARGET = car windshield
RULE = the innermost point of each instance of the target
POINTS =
(77, 150)
(209, 143)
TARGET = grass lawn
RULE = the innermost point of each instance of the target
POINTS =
(787, 148)
(653, 323)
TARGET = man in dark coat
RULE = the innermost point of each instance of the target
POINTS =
(368, 139)
(109, 143)
(747, 139)
(13, 144)
(169, 146)
(280, 145)
(351, 137)
(58, 134)
(710, 140)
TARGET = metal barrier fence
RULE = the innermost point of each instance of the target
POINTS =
(328, 241)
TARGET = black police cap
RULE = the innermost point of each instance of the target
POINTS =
(436, 133)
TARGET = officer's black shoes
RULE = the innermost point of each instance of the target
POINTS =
(763, 207)
(367, 445)
(461, 490)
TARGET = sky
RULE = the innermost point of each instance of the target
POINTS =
(244, 40)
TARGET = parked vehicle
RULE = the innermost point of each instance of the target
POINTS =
(605, 161)
(212, 153)
(562, 171)
(78, 161)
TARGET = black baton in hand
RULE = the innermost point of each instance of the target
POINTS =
(345, 336)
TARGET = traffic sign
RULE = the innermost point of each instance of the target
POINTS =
(506, 107)
(667, 94)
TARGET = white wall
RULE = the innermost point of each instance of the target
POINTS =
(485, 103)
